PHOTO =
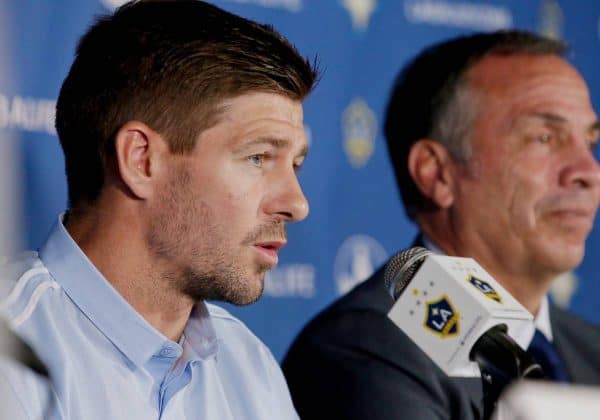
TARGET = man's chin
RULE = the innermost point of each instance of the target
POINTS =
(238, 289)
(247, 299)
(248, 293)
(564, 257)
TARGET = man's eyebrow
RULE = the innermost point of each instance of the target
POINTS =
(594, 128)
(550, 117)
(275, 142)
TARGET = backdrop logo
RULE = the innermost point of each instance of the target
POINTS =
(551, 19)
(485, 288)
(28, 114)
(441, 317)
(458, 14)
(563, 287)
(291, 5)
(113, 4)
(291, 280)
(359, 126)
(356, 259)
(360, 12)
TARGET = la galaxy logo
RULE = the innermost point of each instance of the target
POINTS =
(563, 287)
(113, 4)
(356, 259)
(359, 126)
(485, 288)
(360, 12)
(551, 19)
(441, 317)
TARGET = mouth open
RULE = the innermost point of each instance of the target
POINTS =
(269, 250)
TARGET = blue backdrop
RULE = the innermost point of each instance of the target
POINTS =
(356, 218)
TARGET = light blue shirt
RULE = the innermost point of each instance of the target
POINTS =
(107, 362)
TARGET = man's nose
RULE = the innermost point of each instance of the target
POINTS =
(583, 170)
(287, 199)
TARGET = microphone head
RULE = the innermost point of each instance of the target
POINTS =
(401, 268)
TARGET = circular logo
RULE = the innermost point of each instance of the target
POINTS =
(113, 4)
(357, 258)
(359, 125)
(563, 288)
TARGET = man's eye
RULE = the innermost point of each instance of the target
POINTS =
(593, 142)
(544, 138)
(257, 160)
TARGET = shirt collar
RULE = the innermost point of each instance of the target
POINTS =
(542, 320)
(200, 334)
(109, 311)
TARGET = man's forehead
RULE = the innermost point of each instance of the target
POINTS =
(256, 106)
(500, 72)
(531, 83)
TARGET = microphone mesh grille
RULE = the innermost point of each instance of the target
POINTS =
(401, 268)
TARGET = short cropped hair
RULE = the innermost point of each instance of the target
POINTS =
(431, 99)
(169, 64)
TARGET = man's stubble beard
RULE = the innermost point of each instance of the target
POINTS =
(185, 237)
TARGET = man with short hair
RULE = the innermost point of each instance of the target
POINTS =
(182, 130)
(491, 137)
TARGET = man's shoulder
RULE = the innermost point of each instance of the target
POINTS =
(370, 295)
(11, 268)
(358, 322)
(24, 283)
(23, 393)
(567, 323)
(352, 361)
(368, 300)
(578, 342)
(18, 274)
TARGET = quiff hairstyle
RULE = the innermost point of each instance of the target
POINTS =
(432, 99)
(169, 64)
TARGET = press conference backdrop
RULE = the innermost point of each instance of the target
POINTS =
(356, 218)
(10, 235)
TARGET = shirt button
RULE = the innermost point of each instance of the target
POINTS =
(166, 351)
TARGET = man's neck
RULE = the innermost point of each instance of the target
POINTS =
(114, 243)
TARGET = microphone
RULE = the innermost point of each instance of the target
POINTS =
(456, 313)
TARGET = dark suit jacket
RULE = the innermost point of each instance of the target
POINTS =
(352, 362)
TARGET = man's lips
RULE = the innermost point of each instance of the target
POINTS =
(583, 216)
(269, 249)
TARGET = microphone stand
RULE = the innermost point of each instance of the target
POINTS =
(501, 360)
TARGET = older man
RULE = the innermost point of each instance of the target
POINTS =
(491, 137)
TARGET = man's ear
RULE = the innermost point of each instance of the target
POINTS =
(139, 151)
(429, 165)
